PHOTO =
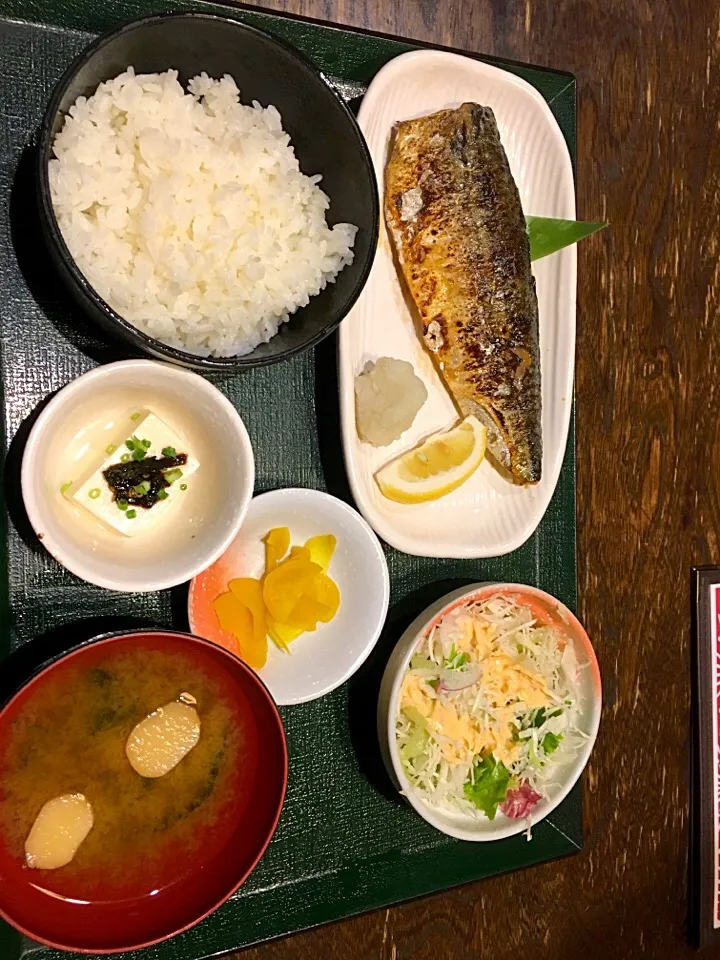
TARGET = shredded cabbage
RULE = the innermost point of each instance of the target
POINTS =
(487, 681)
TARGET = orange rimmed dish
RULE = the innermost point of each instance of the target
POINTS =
(459, 818)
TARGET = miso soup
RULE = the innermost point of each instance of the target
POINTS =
(69, 737)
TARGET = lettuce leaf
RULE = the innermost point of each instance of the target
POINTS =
(550, 742)
(548, 235)
(490, 788)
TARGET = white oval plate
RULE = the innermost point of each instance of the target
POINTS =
(320, 661)
(486, 516)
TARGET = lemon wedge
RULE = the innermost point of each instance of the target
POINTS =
(435, 467)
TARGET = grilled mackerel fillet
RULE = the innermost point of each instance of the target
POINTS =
(454, 214)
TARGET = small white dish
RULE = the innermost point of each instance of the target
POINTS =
(323, 659)
(590, 697)
(71, 434)
(486, 516)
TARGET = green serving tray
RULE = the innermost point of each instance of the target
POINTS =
(346, 842)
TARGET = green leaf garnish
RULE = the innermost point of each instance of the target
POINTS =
(456, 659)
(490, 787)
(146, 444)
(550, 742)
(541, 716)
(548, 235)
(130, 444)
(169, 452)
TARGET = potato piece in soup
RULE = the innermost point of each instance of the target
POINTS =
(159, 742)
(59, 829)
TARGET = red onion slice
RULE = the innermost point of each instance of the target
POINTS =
(519, 803)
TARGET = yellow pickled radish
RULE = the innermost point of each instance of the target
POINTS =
(294, 594)
(283, 587)
(321, 549)
(306, 613)
(235, 618)
(232, 615)
(250, 593)
(327, 594)
(277, 543)
(277, 638)
(282, 634)
(299, 553)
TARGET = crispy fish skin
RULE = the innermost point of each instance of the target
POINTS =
(453, 212)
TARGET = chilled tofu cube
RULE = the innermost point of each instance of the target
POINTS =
(95, 495)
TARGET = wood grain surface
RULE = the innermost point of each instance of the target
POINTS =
(648, 452)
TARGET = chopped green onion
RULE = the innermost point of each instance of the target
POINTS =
(135, 416)
(169, 452)
(94, 493)
(142, 488)
(162, 494)
(124, 458)
(183, 486)
(65, 487)
(131, 514)
(172, 475)
(122, 504)
(110, 448)
(146, 443)
(456, 660)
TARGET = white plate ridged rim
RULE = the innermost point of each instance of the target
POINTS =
(486, 516)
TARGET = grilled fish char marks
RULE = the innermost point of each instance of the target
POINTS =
(454, 214)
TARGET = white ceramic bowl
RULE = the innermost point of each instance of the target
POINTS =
(458, 825)
(320, 661)
(86, 416)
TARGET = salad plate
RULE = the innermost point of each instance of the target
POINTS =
(567, 726)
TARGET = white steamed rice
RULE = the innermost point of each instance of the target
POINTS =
(188, 214)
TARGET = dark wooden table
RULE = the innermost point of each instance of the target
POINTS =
(648, 449)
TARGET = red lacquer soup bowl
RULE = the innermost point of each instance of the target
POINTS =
(163, 851)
